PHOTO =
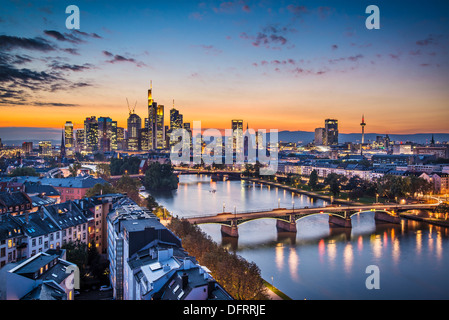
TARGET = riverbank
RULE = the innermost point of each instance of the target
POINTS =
(434, 221)
(274, 293)
(304, 192)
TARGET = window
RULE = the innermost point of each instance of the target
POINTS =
(9, 243)
(46, 245)
(3, 252)
(40, 240)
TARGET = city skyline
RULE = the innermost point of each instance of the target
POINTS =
(277, 65)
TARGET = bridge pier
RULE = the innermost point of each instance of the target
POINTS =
(386, 217)
(230, 231)
(284, 226)
(340, 221)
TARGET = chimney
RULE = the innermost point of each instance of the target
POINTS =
(185, 280)
(41, 212)
(27, 217)
(210, 288)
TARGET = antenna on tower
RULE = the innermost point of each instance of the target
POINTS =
(134, 109)
(173, 103)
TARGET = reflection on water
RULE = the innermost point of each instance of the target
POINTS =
(319, 262)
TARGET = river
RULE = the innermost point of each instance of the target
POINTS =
(319, 262)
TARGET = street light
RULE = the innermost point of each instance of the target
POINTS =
(224, 206)
(279, 203)
(377, 198)
(293, 203)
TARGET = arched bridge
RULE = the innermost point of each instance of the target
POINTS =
(286, 218)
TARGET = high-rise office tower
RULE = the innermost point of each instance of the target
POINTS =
(68, 132)
(237, 130)
(160, 132)
(79, 139)
(319, 136)
(134, 131)
(121, 138)
(331, 132)
(175, 119)
(45, 148)
(152, 111)
(107, 134)
(91, 133)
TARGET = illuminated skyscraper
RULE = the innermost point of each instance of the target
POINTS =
(237, 130)
(107, 134)
(68, 132)
(79, 139)
(134, 130)
(331, 132)
(91, 134)
(319, 136)
(160, 132)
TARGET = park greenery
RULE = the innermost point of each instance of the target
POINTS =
(24, 171)
(389, 186)
(239, 277)
(160, 177)
(93, 268)
(119, 166)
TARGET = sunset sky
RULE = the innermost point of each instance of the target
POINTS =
(283, 65)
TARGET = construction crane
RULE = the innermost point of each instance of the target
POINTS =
(134, 109)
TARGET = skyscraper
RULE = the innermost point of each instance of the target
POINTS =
(107, 134)
(134, 129)
(68, 132)
(91, 133)
(331, 132)
(319, 136)
(156, 134)
(160, 132)
(237, 131)
(152, 110)
(79, 139)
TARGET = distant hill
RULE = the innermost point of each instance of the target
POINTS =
(307, 137)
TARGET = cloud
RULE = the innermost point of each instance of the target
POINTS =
(425, 42)
(8, 43)
(196, 16)
(63, 37)
(71, 67)
(73, 37)
(297, 10)
(210, 49)
(246, 8)
(272, 34)
(119, 58)
(71, 51)
(350, 58)
(334, 47)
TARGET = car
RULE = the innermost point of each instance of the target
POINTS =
(105, 288)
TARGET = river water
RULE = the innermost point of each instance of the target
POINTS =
(319, 262)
